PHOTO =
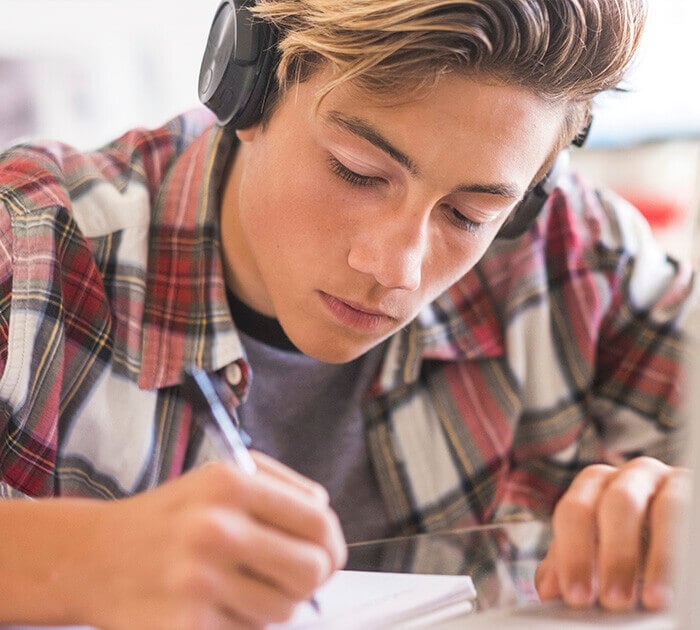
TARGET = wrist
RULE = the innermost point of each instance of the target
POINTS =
(48, 554)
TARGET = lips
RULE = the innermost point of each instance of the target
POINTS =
(355, 315)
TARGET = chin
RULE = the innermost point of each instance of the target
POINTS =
(335, 350)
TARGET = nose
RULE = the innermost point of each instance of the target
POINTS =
(391, 250)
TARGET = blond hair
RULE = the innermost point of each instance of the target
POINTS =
(566, 50)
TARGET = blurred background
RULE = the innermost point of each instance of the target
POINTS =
(85, 71)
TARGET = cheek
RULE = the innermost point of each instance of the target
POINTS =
(293, 225)
(450, 259)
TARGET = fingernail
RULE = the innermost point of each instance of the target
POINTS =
(548, 588)
(657, 596)
(578, 594)
(618, 595)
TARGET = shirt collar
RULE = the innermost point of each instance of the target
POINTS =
(187, 321)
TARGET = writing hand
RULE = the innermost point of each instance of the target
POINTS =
(217, 548)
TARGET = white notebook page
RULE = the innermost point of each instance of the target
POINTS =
(365, 599)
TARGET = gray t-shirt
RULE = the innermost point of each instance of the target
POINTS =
(308, 415)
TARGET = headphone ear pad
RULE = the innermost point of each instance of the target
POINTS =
(527, 211)
(524, 214)
(237, 70)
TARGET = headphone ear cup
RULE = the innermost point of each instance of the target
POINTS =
(529, 208)
(237, 69)
(524, 214)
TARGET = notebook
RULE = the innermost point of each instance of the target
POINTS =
(373, 600)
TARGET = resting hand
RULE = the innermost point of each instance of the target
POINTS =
(613, 533)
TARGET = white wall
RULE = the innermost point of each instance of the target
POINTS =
(665, 90)
(98, 67)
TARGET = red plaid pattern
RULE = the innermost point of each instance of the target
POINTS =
(557, 350)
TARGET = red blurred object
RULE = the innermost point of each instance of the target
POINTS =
(660, 211)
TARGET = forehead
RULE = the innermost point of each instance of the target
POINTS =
(458, 117)
(438, 94)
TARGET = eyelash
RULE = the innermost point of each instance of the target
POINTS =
(365, 181)
(455, 217)
(342, 171)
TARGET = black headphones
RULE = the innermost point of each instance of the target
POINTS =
(238, 73)
(239, 65)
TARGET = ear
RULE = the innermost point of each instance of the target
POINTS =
(248, 134)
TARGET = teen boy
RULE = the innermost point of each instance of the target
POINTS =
(336, 262)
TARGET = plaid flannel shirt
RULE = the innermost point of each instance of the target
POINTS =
(559, 349)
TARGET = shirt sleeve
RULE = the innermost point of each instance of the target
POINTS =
(613, 322)
(5, 282)
(32, 202)
(637, 389)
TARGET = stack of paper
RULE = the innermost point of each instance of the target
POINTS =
(370, 600)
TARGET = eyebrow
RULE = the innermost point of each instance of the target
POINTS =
(359, 127)
(363, 129)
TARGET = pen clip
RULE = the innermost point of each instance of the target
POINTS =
(212, 399)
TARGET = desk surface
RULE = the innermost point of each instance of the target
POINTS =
(501, 559)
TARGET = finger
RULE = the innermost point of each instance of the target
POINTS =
(672, 495)
(546, 581)
(295, 566)
(206, 616)
(622, 515)
(243, 597)
(575, 534)
(284, 473)
(293, 511)
(249, 597)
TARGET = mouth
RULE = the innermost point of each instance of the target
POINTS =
(355, 315)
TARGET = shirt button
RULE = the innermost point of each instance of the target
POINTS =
(233, 374)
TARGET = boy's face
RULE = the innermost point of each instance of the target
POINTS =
(343, 221)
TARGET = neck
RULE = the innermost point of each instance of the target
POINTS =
(240, 270)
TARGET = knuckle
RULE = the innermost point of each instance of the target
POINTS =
(319, 492)
(673, 496)
(210, 530)
(666, 503)
(193, 530)
(238, 534)
(317, 570)
(311, 572)
(320, 526)
(596, 471)
(644, 462)
(202, 527)
(618, 499)
(223, 479)
(572, 509)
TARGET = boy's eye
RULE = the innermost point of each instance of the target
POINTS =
(366, 181)
(342, 171)
(462, 222)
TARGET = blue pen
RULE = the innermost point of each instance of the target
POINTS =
(225, 421)
(204, 393)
